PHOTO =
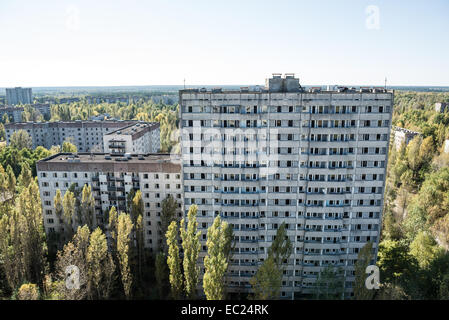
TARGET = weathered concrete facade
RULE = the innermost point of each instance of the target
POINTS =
(112, 177)
(314, 160)
(85, 135)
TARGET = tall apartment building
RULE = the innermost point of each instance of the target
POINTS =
(137, 138)
(314, 159)
(86, 135)
(112, 177)
(19, 95)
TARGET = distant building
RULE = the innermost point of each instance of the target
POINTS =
(440, 107)
(446, 146)
(403, 135)
(14, 113)
(43, 108)
(87, 136)
(19, 95)
(137, 138)
(101, 117)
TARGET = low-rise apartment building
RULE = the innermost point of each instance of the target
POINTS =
(111, 178)
(85, 135)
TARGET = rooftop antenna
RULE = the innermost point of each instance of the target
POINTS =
(184, 83)
(385, 83)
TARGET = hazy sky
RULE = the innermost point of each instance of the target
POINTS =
(74, 43)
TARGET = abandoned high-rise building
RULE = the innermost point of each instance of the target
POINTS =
(315, 159)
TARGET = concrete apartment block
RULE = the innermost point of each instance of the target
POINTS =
(86, 135)
(111, 178)
(314, 159)
(440, 107)
(402, 135)
(138, 138)
(19, 95)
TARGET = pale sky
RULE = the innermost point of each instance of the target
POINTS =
(101, 43)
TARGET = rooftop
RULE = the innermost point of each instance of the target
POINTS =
(399, 129)
(288, 83)
(104, 162)
(135, 128)
(108, 158)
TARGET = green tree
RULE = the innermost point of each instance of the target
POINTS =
(74, 253)
(20, 139)
(394, 261)
(161, 273)
(168, 214)
(330, 284)
(68, 204)
(69, 147)
(124, 229)
(363, 261)
(424, 248)
(87, 208)
(266, 283)
(174, 261)
(191, 248)
(215, 261)
(28, 291)
(2, 132)
(281, 247)
(100, 266)
(268, 279)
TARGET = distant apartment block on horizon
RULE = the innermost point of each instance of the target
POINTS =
(19, 95)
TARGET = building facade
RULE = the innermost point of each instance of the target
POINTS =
(402, 135)
(14, 113)
(19, 95)
(440, 107)
(137, 138)
(314, 159)
(85, 135)
(111, 178)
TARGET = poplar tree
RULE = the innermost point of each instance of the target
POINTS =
(215, 261)
(74, 253)
(136, 206)
(174, 261)
(140, 246)
(87, 207)
(363, 261)
(69, 211)
(124, 229)
(113, 222)
(25, 177)
(168, 214)
(160, 273)
(10, 180)
(191, 248)
(100, 266)
(28, 291)
(281, 247)
(267, 281)
(34, 243)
